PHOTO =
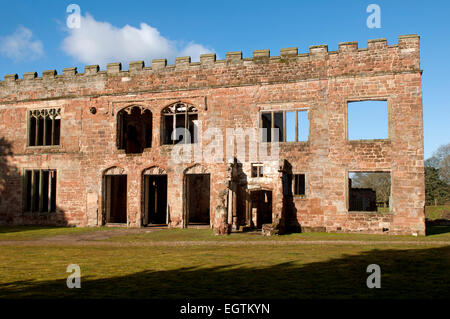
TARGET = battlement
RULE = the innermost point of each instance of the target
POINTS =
(405, 42)
(336, 62)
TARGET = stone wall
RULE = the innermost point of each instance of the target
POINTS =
(228, 93)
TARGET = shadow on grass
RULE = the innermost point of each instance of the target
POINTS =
(408, 273)
(436, 230)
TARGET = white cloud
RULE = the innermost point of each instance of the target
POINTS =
(97, 42)
(21, 45)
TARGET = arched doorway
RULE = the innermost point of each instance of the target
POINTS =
(114, 196)
(197, 196)
(155, 212)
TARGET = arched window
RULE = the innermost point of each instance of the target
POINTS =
(181, 117)
(134, 129)
(44, 127)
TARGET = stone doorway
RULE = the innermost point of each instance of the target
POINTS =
(260, 208)
(115, 197)
(198, 199)
(155, 200)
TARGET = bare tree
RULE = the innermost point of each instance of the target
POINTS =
(441, 161)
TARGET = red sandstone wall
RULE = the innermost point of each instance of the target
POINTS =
(228, 93)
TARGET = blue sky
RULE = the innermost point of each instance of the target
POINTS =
(194, 27)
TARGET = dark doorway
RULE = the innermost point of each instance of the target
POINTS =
(261, 201)
(197, 198)
(115, 187)
(155, 199)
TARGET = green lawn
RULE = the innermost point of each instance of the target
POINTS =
(269, 271)
(31, 233)
(436, 212)
(40, 232)
(435, 233)
(36, 269)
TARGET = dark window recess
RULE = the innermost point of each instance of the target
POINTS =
(168, 126)
(183, 118)
(266, 119)
(135, 129)
(287, 184)
(257, 170)
(278, 125)
(40, 190)
(284, 126)
(44, 127)
(299, 184)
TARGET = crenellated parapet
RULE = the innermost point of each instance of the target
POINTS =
(318, 62)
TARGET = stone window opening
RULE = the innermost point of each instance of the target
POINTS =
(294, 185)
(44, 127)
(179, 119)
(292, 126)
(40, 190)
(369, 191)
(299, 188)
(134, 129)
(257, 170)
(367, 120)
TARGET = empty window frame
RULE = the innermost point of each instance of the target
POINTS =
(367, 120)
(294, 184)
(44, 127)
(179, 118)
(299, 184)
(257, 170)
(293, 126)
(40, 190)
(369, 191)
(135, 129)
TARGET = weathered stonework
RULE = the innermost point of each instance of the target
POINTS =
(228, 93)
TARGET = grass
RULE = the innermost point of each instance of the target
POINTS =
(274, 272)
(41, 232)
(30, 233)
(436, 212)
(436, 233)
(383, 209)
(227, 271)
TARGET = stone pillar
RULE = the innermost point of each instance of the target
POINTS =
(254, 219)
(92, 209)
(220, 225)
(279, 219)
(234, 206)
(230, 206)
